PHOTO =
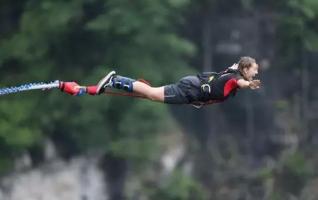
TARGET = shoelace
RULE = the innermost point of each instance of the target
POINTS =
(110, 83)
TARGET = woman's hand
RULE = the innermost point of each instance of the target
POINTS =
(255, 84)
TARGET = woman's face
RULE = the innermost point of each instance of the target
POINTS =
(250, 73)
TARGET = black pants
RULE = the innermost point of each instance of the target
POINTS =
(185, 91)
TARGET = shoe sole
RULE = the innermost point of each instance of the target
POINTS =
(104, 80)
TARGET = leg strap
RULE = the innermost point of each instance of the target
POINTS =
(92, 90)
(120, 82)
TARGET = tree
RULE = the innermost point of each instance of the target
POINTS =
(76, 40)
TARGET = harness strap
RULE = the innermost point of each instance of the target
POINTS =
(208, 78)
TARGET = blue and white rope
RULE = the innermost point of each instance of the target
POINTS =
(29, 86)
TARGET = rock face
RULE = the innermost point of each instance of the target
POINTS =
(78, 179)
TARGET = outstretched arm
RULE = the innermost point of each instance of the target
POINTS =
(254, 84)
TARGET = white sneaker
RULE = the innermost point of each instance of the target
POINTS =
(105, 82)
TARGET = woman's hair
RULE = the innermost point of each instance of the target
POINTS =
(245, 62)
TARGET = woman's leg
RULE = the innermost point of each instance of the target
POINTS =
(130, 85)
(152, 93)
(138, 87)
(119, 82)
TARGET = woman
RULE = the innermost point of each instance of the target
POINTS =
(198, 90)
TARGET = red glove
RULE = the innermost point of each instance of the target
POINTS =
(71, 88)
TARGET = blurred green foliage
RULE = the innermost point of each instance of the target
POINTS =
(298, 29)
(83, 40)
(179, 187)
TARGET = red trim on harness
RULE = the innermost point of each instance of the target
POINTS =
(229, 86)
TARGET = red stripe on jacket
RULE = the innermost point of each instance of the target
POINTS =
(229, 86)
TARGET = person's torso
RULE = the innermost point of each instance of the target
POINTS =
(219, 86)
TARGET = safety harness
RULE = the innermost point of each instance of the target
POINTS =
(208, 80)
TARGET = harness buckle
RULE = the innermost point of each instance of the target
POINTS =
(206, 88)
